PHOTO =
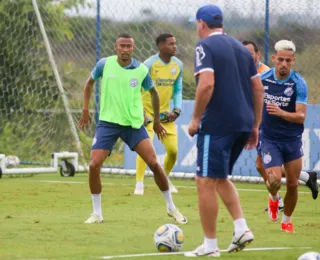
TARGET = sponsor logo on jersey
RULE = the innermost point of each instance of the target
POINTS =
(271, 81)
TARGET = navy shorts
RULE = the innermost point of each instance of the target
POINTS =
(218, 154)
(277, 153)
(107, 135)
(259, 148)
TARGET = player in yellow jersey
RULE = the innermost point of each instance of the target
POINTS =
(166, 72)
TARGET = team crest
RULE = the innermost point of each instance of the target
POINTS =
(173, 71)
(133, 83)
(288, 91)
(267, 158)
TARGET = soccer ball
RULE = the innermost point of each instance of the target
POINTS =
(11, 161)
(310, 256)
(168, 238)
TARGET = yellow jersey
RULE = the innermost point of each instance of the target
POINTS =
(167, 79)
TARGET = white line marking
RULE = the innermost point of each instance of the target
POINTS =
(180, 253)
(126, 184)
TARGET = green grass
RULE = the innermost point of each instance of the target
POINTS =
(40, 220)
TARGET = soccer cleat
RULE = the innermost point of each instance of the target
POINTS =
(199, 251)
(240, 242)
(287, 227)
(313, 184)
(172, 188)
(175, 213)
(273, 209)
(139, 190)
(94, 219)
(281, 205)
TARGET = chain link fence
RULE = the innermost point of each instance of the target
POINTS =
(33, 123)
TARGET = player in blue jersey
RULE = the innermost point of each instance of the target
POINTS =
(285, 99)
(226, 117)
(310, 178)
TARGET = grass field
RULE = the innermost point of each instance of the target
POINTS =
(41, 218)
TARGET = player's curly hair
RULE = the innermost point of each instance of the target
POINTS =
(162, 38)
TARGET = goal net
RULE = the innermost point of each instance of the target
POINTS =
(34, 117)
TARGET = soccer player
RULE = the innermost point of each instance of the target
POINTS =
(166, 72)
(286, 94)
(226, 117)
(253, 48)
(121, 115)
(310, 178)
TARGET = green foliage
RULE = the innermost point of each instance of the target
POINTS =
(28, 85)
(299, 34)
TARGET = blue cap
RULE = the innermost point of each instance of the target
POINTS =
(207, 13)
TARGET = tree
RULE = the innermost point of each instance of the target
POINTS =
(24, 65)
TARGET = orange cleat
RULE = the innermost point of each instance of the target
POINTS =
(273, 209)
(287, 227)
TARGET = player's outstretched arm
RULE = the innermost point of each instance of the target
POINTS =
(85, 119)
(157, 127)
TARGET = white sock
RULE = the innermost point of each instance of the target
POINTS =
(96, 203)
(285, 219)
(139, 184)
(210, 244)
(240, 226)
(304, 176)
(167, 196)
(274, 198)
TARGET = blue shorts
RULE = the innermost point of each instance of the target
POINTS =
(107, 135)
(259, 148)
(218, 154)
(277, 153)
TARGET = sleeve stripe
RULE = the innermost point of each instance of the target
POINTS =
(257, 75)
(301, 102)
(203, 70)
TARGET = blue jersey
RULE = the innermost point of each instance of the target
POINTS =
(97, 72)
(231, 106)
(286, 94)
